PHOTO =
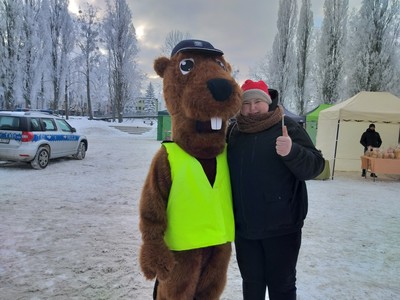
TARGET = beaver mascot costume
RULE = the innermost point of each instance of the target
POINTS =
(186, 215)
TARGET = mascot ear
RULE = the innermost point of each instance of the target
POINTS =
(160, 65)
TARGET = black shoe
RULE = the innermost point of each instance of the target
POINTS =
(373, 175)
(363, 174)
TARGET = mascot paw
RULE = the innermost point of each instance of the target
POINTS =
(156, 260)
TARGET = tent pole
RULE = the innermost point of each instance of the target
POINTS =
(336, 142)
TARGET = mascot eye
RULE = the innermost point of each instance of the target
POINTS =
(222, 65)
(186, 65)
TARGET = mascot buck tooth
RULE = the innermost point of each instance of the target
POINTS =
(186, 215)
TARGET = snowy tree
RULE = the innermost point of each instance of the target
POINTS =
(88, 32)
(122, 49)
(28, 50)
(24, 36)
(34, 49)
(10, 35)
(99, 91)
(173, 38)
(260, 70)
(373, 47)
(39, 66)
(304, 40)
(283, 56)
(62, 42)
(42, 90)
(150, 103)
(331, 49)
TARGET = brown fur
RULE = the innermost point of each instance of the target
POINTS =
(197, 273)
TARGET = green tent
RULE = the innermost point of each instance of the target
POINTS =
(312, 121)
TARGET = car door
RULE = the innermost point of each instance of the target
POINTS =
(53, 137)
(68, 139)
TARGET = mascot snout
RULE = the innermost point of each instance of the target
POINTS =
(220, 88)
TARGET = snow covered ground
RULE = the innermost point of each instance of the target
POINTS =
(70, 231)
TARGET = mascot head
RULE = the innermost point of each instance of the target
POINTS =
(200, 94)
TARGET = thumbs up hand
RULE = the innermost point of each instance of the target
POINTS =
(283, 143)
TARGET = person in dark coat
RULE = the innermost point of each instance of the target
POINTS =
(270, 157)
(370, 138)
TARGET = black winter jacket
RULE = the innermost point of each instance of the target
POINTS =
(370, 138)
(269, 191)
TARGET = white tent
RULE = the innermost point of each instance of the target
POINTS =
(340, 127)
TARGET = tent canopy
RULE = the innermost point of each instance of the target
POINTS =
(312, 121)
(366, 106)
(314, 114)
(341, 126)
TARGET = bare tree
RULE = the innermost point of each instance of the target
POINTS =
(260, 70)
(173, 38)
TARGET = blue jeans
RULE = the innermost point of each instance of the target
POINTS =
(271, 263)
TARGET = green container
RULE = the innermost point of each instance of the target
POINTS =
(163, 126)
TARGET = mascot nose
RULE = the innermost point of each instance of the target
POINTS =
(220, 88)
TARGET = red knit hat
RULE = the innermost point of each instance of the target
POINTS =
(256, 90)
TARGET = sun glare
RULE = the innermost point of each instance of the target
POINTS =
(73, 7)
(140, 32)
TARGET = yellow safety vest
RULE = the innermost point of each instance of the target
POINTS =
(199, 215)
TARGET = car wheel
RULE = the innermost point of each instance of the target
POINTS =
(81, 153)
(41, 159)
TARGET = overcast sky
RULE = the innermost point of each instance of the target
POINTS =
(243, 30)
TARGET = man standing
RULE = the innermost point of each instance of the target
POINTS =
(370, 138)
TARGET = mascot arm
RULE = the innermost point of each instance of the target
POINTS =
(156, 259)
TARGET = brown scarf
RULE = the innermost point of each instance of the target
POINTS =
(260, 122)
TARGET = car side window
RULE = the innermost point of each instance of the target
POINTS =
(49, 124)
(35, 124)
(9, 123)
(61, 124)
(5, 122)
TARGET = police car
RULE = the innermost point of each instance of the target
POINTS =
(37, 137)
